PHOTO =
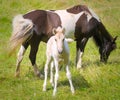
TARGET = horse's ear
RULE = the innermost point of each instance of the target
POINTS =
(114, 39)
(54, 31)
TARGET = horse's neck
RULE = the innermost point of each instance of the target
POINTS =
(104, 33)
(102, 36)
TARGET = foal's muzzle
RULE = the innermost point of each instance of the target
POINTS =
(60, 51)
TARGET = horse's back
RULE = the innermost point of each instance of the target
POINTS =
(36, 15)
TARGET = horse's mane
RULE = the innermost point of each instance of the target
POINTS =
(102, 35)
(104, 32)
(78, 8)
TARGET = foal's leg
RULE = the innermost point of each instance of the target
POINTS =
(32, 56)
(46, 72)
(20, 57)
(56, 76)
(51, 73)
(80, 45)
(68, 74)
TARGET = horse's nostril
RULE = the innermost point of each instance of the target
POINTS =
(104, 60)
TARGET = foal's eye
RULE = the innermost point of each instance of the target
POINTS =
(55, 39)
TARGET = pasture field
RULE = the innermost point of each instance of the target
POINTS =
(96, 81)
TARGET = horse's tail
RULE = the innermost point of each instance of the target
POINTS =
(22, 30)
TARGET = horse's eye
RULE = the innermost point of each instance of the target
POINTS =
(63, 39)
(55, 39)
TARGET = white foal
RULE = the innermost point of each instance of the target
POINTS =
(57, 50)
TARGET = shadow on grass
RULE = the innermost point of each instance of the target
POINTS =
(79, 82)
(100, 64)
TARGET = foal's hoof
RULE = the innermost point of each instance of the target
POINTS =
(52, 83)
(73, 91)
(44, 89)
(54, 94)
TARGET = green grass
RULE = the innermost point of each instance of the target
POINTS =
(96, 81)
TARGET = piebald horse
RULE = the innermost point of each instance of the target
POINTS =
(80, 23)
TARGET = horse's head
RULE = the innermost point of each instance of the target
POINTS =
(59, 38)
(108, 47)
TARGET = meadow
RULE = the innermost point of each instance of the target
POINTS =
(95, 81)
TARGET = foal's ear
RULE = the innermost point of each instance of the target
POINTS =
(114, 39)
(54, 31)
(63, 30)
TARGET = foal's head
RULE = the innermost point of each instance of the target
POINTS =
(59, 38)
(108, 47)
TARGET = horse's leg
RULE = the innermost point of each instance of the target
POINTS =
(78, 56)
(56, 76)
(20, 57)
(51, 73)
(32, 56)
(80, 45)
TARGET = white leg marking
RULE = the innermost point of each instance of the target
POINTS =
(79, 63)
(19, 59)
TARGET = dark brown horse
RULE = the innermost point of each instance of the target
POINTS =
(80, 23)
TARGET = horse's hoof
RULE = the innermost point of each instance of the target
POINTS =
(39, 75)
(79, 67)
(17, 74)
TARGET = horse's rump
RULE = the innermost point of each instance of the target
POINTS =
(22, 30)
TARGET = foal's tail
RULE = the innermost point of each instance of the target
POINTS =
(69, 40)
(22, 30)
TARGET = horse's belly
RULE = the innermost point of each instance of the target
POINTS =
(69, 29)
(70, 35)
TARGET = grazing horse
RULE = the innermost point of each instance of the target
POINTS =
(80, 23)
(57, 51)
